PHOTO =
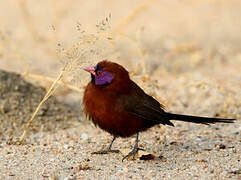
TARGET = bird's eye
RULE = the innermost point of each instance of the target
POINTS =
(99, 73)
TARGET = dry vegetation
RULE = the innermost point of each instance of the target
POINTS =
(187, 54)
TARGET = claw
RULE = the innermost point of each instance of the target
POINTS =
(132, 153)
(106, 151)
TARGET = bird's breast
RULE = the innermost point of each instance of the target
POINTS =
(106, 112)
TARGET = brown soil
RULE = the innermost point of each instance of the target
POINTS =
(19, 99)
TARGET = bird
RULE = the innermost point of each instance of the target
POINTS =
(116, 104)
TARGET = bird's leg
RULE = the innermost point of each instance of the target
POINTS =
(134, 150)
(107, 149)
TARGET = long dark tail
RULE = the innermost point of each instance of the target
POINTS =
(198, 119)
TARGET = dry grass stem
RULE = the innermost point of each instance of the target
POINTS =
(49, 79)
(47, 95)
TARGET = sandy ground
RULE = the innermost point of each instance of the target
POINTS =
(186, 54)
(191, 152)
(188, 151)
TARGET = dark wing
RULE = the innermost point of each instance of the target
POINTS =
(144, 106)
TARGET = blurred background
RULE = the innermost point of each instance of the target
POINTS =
(181, 51)
(184, 53)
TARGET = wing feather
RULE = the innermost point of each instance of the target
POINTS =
(145, 107)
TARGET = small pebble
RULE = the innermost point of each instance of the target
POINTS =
(84, 136)
(66, 146)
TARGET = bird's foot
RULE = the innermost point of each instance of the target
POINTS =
(106, 151)
(133, 153)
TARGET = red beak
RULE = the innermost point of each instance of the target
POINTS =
(90, 69)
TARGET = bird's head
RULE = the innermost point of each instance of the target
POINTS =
(105, 72)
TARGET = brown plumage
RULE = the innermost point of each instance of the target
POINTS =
(119, 106)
